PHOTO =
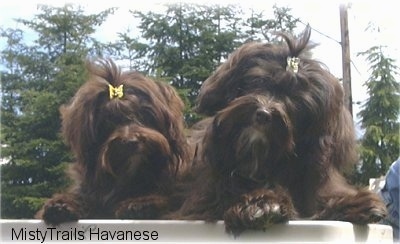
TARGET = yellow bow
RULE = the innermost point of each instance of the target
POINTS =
(293, 64)
(116, 92)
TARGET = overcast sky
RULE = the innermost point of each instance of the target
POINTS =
(323, 16)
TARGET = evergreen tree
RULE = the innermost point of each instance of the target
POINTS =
(379, 116)
(186, 43)
(259, 27)
(38, 78)
(131, 51)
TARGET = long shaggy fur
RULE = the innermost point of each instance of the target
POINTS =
(277, 143)
(128, 150)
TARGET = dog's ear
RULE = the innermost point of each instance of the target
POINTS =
(345, 151)
(216, 151)
(174, 123)
(172, 98)
(79, 120)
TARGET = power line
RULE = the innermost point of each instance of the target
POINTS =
(321, 33)
(333, 39)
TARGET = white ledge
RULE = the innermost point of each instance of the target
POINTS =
(109, 231)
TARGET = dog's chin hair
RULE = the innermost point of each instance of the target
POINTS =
(251, 138)
(253, 147)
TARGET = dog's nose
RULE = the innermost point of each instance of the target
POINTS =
(263, 116)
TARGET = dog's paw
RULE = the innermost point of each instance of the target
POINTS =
(150, 207)
(258, 214)
(59, 210)
(258, 210)
(363, 208)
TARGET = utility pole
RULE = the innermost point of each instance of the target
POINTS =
(345, 43)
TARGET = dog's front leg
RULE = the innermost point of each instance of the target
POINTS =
(145, 207)
(339, 201)
(258, 210)
(361, 208)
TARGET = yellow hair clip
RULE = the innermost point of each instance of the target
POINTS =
(116, 92)
(293, 64)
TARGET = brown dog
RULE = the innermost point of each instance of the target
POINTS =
(278, 143)
(126, 133)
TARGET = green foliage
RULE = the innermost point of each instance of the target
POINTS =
(186, 43)
(38, 78)
(131, 50)
(258, 27)
(379, 116)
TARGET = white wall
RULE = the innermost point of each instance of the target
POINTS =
(88, 231)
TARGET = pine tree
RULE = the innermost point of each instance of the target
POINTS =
(379, 116)
(131, 51)
(259, 27)
(38, 78)
(186, 43)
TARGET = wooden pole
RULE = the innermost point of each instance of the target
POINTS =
(345, 43)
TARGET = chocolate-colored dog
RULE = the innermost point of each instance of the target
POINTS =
(277, 143)
(126, 133)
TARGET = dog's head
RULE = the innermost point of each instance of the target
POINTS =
(297, 86)
(258, 68)
(248, 137)
(118, 121)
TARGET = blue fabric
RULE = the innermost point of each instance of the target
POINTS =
(390, 194)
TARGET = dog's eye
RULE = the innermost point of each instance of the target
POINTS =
(148, 117)
(259, 81)
(251, 85)
(142, 96)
